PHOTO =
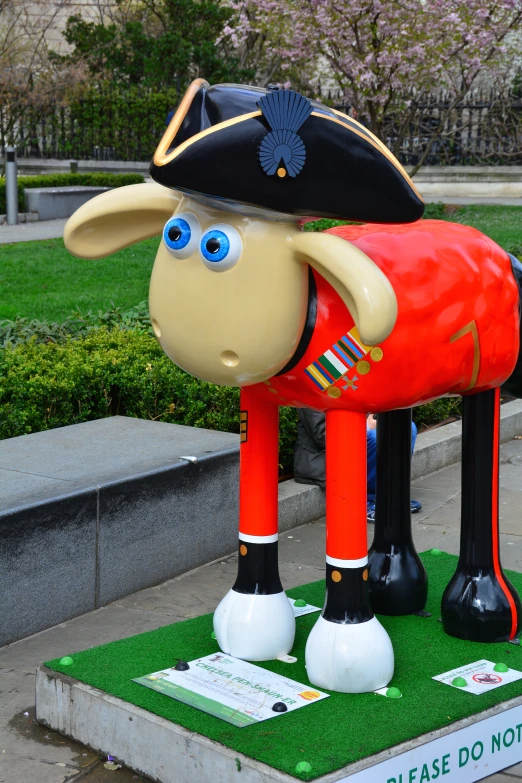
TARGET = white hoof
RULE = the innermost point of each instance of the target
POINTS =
(351, 658)
(255, 627)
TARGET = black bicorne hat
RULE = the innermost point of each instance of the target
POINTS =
(279, 151)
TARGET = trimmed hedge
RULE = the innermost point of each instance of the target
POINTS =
(98, 179)
(122, 370)
(110, 372)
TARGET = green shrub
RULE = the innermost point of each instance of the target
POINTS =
(322, 224)
(98, 179)
(111, 372)
(435, 211)
(22, 330)
(437, 411)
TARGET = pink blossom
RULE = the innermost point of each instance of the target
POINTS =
(376, 51)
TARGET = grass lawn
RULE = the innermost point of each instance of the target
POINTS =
(503, 224)
(42, 280)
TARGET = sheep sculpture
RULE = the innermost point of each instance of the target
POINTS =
(374, 317)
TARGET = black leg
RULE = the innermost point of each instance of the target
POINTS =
(398, 580)
(479, 603)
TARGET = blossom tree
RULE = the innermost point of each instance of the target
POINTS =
(384, 55)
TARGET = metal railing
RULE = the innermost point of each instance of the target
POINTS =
(483, 129)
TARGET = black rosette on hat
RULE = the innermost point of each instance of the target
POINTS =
(280, 152)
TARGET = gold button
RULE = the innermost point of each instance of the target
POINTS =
(243, 550)
(363, 368)
(336, 576)
(376, 354)
(365, 574)
(334, 391)
(281, 172)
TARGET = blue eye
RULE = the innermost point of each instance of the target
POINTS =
(177, 234)
(181, 235)
(221, 247)
(215, 246)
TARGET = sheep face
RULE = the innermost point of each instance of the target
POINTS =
(228, 297)
(229, 293)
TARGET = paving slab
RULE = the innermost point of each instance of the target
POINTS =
(28, 232)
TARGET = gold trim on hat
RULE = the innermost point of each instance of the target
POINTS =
(160, 156)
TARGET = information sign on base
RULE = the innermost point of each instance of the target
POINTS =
(233, 690)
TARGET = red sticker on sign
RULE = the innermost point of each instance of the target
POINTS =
(487, 679)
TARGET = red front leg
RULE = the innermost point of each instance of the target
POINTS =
(348, 650)
(255, 620)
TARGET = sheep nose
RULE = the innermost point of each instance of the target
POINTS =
(230, 359)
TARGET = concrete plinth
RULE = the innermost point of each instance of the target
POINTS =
(168, 753)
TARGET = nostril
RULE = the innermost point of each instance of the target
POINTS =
(230, 359)
(156, 328)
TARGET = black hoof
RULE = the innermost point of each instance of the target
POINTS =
(477, 607)
(397, 581)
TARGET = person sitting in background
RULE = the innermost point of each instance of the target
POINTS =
(310, 458)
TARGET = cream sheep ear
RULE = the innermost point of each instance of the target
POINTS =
(119, 218)
(365, 290)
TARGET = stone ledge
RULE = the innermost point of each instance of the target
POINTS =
(59, 202)
(440, 447)
(115, 508)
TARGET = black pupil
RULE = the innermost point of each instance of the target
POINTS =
(174, 233)
(213, 245)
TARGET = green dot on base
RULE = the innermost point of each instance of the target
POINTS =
(213, 635)
(299, 603)
(303, 766)
(66, 660)
(435, 551)
(500, 667)
(393, 693)
(459, 682)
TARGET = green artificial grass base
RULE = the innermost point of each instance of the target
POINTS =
(331, 733)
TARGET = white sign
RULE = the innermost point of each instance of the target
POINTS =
(463, 756)
(300, 610)
(233, 690)
(480, 677)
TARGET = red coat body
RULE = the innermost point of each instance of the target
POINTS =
(457, 329)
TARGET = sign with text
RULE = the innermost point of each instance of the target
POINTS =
(480, 677)
(464, 756)
(233, 690)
